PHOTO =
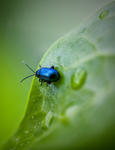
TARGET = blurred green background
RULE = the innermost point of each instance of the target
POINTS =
(27, 29)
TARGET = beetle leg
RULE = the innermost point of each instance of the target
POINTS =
(40, 81)
(52, 67)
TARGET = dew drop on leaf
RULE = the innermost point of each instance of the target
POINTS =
(78, 78)
(46, 122)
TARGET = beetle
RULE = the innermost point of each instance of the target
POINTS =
(44, 74)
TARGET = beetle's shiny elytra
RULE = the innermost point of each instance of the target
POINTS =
(44, 74)
(48, 75)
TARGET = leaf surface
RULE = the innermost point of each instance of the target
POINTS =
(78, 111)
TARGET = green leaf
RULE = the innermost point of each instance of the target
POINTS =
(78, 111)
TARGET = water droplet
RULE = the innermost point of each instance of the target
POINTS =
(26, 131)
(46, 122)
(78, 78)
(103, 14)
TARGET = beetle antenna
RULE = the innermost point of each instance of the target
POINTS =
(27, 77)
(28, 66)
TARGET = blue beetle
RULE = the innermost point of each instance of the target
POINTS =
(44, 74)
(47, 74)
